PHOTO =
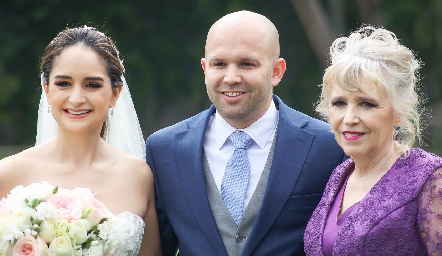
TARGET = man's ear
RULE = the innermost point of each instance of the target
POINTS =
(278, 71)
(203, 64)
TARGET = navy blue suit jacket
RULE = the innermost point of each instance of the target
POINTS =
(305, 155)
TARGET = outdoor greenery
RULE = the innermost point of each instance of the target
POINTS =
(162, 43)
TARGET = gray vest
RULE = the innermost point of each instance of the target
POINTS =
(235, 238)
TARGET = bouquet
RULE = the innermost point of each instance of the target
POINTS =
(41, 219)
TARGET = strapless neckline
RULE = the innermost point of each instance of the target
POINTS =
(129, 213)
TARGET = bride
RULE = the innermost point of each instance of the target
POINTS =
(95, 141)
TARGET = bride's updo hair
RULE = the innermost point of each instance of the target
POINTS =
(376, 54)
(92, 38)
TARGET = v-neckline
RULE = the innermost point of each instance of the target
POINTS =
(340, 197)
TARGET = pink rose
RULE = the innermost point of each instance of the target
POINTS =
(27, 245)
(97, 210)
(67, 206)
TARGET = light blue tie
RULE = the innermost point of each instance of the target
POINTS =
(236, 177)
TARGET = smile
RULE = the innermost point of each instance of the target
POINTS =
(352, 135)
(77, 112)
(232, 94)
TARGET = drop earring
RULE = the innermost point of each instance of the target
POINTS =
(112, 111)
(49, 109)
(396, 135)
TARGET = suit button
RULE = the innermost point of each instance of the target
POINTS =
(239, 238)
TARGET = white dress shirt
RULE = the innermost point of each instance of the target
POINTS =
(219, 149)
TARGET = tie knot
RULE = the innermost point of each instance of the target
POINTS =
(240, 139)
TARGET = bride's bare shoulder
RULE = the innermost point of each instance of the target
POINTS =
(13, 168)
(134, 170)
(20, 159)
(135, 166)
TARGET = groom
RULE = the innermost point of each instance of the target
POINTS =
(244, 176)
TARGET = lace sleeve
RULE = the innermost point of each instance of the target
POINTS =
(430, 213)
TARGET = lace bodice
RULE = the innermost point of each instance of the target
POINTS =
(129, 230)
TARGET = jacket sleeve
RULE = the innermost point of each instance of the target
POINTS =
(169, 241)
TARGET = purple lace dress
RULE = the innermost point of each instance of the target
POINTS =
(401, 215)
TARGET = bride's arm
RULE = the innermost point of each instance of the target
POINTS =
(151, 241)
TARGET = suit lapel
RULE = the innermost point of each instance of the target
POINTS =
(291, 143)
(189, 157)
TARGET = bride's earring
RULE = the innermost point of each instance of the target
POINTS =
(112, 111)
(49, 109)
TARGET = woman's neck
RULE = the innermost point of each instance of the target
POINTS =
(77, 149)
(378, 163)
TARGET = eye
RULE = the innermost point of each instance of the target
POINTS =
(94, 85)
(248, 64)
(338, 103)
(367, 104)
(218, 64)
(62, 83)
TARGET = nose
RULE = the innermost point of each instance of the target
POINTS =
(351, 115)
(232, 75)
(77, 96)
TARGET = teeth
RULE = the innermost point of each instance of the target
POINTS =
(77, 113)
(352, 134)
(232, 94)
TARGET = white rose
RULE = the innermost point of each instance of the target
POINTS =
(46, 211)
(20, 217)
(39, 190)
(106, 229)
(17, 196)
(80, 228)
(47, 230)
(61, 246)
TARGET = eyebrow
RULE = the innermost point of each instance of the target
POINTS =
(241, 59)
(90, 78)
(361, 99)
(366, 99)
(338, 98)
(94, 78)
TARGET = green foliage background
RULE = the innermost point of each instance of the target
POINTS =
(162, 43)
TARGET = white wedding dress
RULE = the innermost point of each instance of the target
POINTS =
(129, 230)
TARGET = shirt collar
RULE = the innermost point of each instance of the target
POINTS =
(260, 131)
